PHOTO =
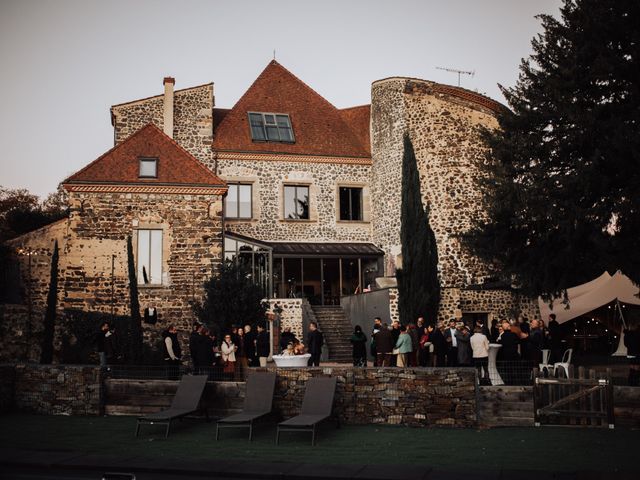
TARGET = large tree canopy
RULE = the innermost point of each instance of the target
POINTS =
(563, 172)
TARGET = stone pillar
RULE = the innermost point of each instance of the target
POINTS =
(168, 82)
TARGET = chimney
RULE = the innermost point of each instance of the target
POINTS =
(168, 82)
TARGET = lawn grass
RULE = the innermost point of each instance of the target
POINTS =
(546, 449)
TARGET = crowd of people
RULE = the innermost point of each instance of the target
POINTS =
(457, 343)
(419, 344)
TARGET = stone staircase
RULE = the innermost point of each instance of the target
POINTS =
(336, 329)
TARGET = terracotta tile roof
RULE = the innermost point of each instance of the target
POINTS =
(120, 165)
(358, 118)
(319, 128)
(218, 115)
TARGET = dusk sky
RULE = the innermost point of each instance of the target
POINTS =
(66, 62)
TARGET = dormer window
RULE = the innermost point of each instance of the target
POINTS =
(271, 127)
(148, 168)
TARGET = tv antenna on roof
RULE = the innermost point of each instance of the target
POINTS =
(459, 72)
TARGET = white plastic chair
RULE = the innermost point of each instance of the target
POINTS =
(566, 361)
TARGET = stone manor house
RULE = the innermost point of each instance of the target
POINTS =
(306, 193)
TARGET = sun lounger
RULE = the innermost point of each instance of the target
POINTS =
(258, 401)
(316, 407)
(185, 402)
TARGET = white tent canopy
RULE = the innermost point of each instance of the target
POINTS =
(592, 295)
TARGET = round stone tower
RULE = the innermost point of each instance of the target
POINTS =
(444, 124)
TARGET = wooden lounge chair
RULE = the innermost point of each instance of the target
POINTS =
(258, 400)
(185, 402)
(316, 407)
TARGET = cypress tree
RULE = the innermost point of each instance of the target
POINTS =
(561, 190)
(46, 355)
(135, 346)
(418, 284)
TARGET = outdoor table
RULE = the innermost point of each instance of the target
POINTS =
(494, 376)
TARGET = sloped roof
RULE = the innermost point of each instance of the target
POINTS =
(358, 118)
(120, 165)
(319, 128)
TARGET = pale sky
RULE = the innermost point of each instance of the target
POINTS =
(64, 63)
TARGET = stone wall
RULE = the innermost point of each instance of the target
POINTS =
(95, 235)
(192, 119)
(58, 390)
(500, 304)
(19, 337)
(268, 178)
(417, 397)
(292, 314)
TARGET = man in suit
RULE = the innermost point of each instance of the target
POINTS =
(384, 346)
(509, 342)
(314, 344)
(452, 344)
(262, 345)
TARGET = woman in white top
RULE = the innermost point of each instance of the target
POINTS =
(480, 347)
(228, 350)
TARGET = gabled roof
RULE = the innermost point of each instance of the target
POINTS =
(319, 128)
(120, 165)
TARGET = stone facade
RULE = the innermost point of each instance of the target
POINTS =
(416, 397)
(93, 239)
(268, 177)
(192, 120)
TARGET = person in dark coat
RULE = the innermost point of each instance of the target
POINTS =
(439, 345)
(452, 344)
(494, 332)
(314, 344)
(359, 344)
(463, 338)
(415, 344)
(555, 339)
(194, 339)
(536, 342)
(262, 345)
(509, 342)
(384, 346)
(377, 325)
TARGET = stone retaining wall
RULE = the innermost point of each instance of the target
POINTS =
(416, 397)
(58, 389)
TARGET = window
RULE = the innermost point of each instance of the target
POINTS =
(270, 127)
(148, 168)
(350, 203)
(238, 201)
(149, 270)
(296, 202)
